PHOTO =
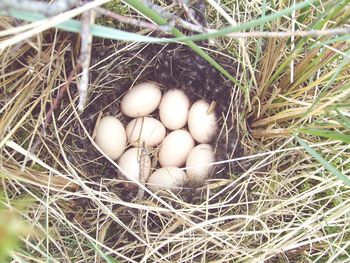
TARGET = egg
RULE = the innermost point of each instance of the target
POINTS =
(175, 148)
(141, 100)
(198, 158)
(202, 123)
(135, 164)
(166, 178)
(111, 137)
(173, 109)
(145, 130)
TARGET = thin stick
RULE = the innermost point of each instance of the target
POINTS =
(49, 9)
(85, 57)
(292, 46)
(131, 21)
(190, 13)
(297, 33)
(144, 158)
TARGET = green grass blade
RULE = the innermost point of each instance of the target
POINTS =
(324, 162)
(259, 43)
(301, 43)
(328, 134)
(333, 78)
(328, 13)
(330, 41)
(340, 68)
(344, 121)
(74, 26)
(107, 258)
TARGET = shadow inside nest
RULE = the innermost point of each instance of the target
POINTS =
(172, 66)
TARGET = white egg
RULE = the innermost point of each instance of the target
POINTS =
(111, 137)
(175, 148)
(141, 100)
(173, 109)
(135, 164)
(198, 158)
(166, 178)
(145, 130)
(201, 123)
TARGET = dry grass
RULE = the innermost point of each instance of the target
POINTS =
(279, 205)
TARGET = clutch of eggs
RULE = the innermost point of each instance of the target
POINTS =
(165, 133)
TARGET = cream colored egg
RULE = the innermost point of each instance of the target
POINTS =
(145, 130)
(198, 158)
(202, 122)
(135, 164)
(141, 100)
(111, 137)
(175, 148)
(173, 109)
(166, 178)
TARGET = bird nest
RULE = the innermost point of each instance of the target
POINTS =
(172, 66)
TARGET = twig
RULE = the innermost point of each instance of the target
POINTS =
(46, 8)
(144, 158)
(190, 13)
(292, 45)
(297, 33)
(131, 21)
(85, 57)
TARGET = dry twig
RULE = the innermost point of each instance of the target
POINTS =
(297, 33)
(190, 13)
(85, 57)
(131, 21)
(48, 9)
(143, 164)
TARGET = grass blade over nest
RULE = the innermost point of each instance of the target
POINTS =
(324, 162)
(327, 134)
(72, 25)
(343, 120)
(107, 258)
